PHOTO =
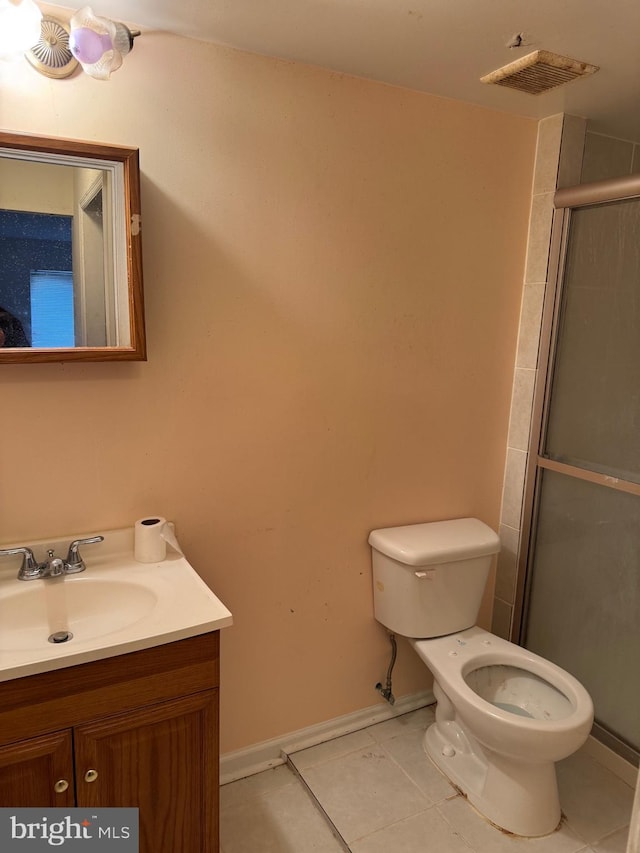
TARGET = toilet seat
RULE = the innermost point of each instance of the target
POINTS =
(518, 690)
(549, 736)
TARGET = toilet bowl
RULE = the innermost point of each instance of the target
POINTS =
(504, 715)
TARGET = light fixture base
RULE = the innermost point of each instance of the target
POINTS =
(51, 55)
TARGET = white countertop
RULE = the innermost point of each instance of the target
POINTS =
(115, 606)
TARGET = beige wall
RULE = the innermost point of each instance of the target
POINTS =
(36, 186)
(333, 276)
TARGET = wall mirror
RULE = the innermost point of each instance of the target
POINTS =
(70, 251)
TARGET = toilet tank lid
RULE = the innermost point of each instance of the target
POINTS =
(436, 541)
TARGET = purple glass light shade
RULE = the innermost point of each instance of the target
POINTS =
(98, 44)
(88, 46)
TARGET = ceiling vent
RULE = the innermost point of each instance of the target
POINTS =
(539, 72)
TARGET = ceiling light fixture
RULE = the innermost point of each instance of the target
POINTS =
(55, 49)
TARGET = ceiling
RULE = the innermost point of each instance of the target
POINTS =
(438, 46)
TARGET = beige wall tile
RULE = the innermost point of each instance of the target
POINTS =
(501, 623)
(505, 586)
(539, 238)
(547, 154)
(530, 320)
(513, 488)
(521, 404)
(571, 151)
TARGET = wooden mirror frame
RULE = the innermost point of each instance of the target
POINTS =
(76, 150)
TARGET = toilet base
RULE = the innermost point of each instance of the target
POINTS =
(516, 797)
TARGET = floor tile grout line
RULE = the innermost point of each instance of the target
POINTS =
(428, 803)
(334, 829)
(607, 834)
(588, 843)
(457, 830)
(410, 778)
(335, 757)
(402, 820)
(375, 741)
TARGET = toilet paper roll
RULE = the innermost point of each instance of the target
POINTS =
(151, 536)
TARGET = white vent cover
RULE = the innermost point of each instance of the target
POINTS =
(539, 72)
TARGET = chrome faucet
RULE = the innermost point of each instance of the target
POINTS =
(30, 568)
(52, 567)
(74, 562)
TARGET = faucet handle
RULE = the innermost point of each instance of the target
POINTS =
(75, 563)
(54, 567)
(30, 567)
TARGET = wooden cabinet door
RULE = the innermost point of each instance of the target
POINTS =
(163, 760)
(37, 772)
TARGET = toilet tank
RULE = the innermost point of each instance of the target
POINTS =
(428, 579)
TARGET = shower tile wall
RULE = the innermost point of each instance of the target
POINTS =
(558, 164)
(566, 154)
(607, 157)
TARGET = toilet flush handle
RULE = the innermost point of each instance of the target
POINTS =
(422, 574)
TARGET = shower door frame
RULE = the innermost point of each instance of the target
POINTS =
(565, 200)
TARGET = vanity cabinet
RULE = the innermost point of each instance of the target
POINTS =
(31, 769)
(137, 730)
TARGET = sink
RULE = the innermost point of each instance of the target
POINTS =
(87, 607)
(116, 606)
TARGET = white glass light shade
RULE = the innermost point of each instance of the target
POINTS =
(19, 27)
(98, 43)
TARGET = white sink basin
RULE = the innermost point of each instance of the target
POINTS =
(86, 606)
(115, 606)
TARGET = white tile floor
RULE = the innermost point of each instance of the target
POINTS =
(374, 791)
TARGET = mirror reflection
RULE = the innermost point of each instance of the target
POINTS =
(70, 270)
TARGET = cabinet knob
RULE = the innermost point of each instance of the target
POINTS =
(91, 776)
(61, 786)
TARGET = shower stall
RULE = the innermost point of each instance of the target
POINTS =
(581, 598)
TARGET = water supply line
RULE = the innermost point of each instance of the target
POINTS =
(386, 691)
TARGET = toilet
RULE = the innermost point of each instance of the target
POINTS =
(504, 715)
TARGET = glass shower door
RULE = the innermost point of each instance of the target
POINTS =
(583, 603)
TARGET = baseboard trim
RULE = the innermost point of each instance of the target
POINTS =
(611, 760)
(271, 753)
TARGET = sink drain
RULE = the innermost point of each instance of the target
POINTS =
(61, 637)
